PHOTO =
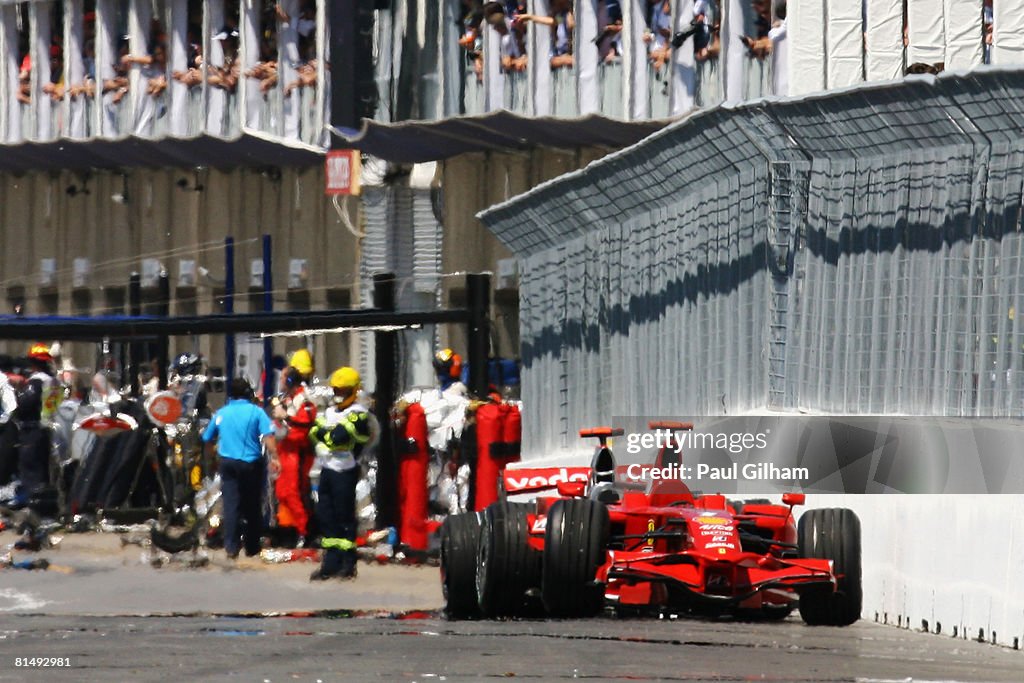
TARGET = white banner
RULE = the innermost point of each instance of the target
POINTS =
(926, 31)
(884, 53)
(805, 22)
(683, 75)
(845, 41)
(964, 33)
(1008, 38)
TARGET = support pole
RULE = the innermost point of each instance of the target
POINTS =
(229, 304)
(353, 89)
(134, 348)
(163, 342)
(478, 333)
(384, 395)
(268, 305)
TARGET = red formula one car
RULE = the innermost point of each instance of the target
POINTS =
(608, 543)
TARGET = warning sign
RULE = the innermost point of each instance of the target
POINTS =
(342, 171)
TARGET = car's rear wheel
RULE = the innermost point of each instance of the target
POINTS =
(507, 567)
(460, 536)
(575, 546)
(833, 534)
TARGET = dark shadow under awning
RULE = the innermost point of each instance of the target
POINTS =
(246, 150)
(421, 141)
(404, 142)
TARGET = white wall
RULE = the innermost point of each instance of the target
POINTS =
(954, 560)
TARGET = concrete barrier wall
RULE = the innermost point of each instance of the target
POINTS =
(953, 561)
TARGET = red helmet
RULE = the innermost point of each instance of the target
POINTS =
(40, 352)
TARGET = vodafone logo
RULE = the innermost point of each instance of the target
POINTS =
(543, 478)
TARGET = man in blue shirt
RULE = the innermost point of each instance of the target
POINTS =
(241, 429)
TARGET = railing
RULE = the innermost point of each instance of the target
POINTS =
(563, 92)
(660, 92)
(611, 88)
(709, 91)
(474, 94)
(757, 80)
(178, 110)
(516, 92)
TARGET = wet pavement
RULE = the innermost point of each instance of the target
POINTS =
(252, 621)
(97, 574)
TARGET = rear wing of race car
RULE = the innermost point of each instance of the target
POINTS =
(671, 425)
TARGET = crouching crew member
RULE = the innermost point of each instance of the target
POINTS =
(340, 435)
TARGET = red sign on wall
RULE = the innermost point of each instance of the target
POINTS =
(342, 171)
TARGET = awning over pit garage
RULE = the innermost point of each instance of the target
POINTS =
(423, 141)
(246, 150)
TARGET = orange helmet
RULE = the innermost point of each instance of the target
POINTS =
(40, 352)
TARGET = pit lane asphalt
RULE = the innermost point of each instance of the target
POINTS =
(118, 619)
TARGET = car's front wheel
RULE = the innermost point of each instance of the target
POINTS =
(832, 534)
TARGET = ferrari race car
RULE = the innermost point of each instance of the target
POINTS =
(606, 542)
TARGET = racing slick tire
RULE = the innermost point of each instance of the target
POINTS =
(833, 534)
(506, 567)
(460, 536)
(575, 545)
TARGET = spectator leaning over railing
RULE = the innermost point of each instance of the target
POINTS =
(154, 68)
(705, 33)
(226, 75)
(118, 84)
(562, 23)
(471, 38)
(609, 22)
(513, 52)
(192, 75)
(55, 88)
(88, 85)
(24, 92)
(988, 24)
(658, 37)
(305, 70)
(760, 44)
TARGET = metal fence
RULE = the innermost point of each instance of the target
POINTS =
(856, 253)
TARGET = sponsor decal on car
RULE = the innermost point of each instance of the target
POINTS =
(711, 520)
(542, 478)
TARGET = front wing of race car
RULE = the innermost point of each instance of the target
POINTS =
(695, 579)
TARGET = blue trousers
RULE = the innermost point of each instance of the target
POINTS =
(336, 514)
(242, 491)
(33, 458)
